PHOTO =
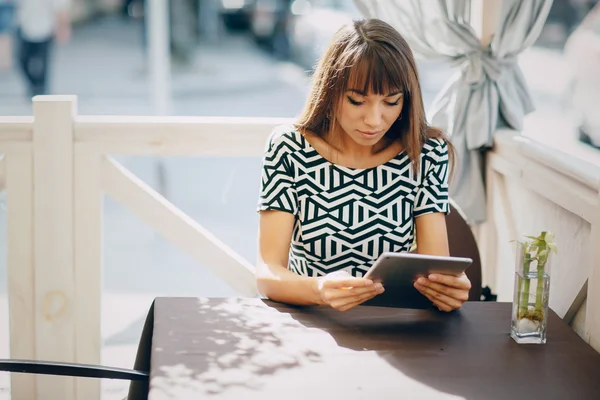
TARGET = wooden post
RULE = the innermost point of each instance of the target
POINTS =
(88, 265)
(592, 317)
(21, 307)
(487, 239)
(54, 277)
(485, 15)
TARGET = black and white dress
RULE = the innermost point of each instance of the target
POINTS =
(346, 217)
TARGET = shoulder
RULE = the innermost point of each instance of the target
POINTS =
(435, 145)
(435, 150)
(284, 139)
(434, 156)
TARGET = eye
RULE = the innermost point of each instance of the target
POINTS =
(354, 102)
(395, 103)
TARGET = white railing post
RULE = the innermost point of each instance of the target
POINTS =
(592, 318)
(53, 234)
(88, 209)
(484, 17)
(21, 298)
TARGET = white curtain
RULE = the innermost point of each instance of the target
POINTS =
(488, 91)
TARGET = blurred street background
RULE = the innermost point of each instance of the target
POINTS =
(245, 58)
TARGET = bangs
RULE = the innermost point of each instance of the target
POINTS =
(376, 72)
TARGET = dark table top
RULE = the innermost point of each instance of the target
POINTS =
(258, 349)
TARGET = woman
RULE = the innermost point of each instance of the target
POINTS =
(354, 177)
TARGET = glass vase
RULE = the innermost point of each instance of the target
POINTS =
(531, 293)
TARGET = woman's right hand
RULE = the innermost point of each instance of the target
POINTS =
(342, 291)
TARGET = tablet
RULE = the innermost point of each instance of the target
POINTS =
(398, 272)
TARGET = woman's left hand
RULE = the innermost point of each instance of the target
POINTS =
(447, 292)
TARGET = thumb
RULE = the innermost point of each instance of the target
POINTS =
(337, 279)
(340, 274)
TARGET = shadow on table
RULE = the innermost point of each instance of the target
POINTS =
(210, 348)
(233, 346)
(467, 353)
(420, 343)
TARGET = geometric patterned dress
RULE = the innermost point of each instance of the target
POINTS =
(346, 217)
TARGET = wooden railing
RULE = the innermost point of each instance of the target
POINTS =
(530, 188)
(57, 165)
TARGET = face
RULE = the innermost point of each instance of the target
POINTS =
(366, 117)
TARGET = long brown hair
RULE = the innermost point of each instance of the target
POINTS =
(373, 54)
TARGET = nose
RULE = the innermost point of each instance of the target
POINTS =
(373, 115)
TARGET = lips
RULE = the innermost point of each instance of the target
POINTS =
(369, 133)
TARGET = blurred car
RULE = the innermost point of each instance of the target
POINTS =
(582, 51)
(236, 13)
(313, 24)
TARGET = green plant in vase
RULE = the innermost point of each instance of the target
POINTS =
(530, 314)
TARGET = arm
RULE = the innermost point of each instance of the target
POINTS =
(278, 205)
(273, 278)
(445, 291)
(432, 236)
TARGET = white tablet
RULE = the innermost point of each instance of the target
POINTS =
(398, 272)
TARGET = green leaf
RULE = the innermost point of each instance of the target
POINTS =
(543, 253)
(540, 246)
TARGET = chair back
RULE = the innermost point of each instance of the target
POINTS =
(462, 244)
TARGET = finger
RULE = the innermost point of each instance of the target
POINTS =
(439, 304)
(339, 283)
(452, 302)
(458, 282)
(333, 294)
(359, 300)
(458, 294)
(345, 303)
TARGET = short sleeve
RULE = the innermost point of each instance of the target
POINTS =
(432, 193)
(277, 188)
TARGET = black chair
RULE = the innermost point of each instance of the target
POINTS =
(139, 376)
(79, 370)
(462, 243)
(69, 369)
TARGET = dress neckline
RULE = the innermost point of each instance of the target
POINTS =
(355, 169)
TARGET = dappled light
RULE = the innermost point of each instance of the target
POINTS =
(136, 139)
(238, 344)
(247, 344)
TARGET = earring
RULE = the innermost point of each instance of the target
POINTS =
(400, 117)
